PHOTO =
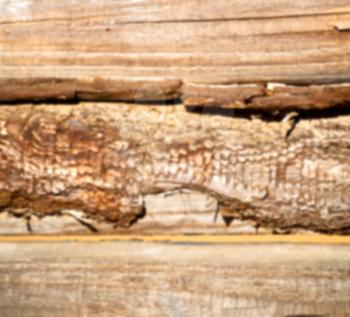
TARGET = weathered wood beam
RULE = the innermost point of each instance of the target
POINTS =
(156, 50)
(149, 279)
(103, 159)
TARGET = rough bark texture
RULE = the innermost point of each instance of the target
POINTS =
(159, 50)
(140, 279)
(103, 159)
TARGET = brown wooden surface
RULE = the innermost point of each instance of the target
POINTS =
(158, 279)
(103, 159)
(142, 50)
(268, 97)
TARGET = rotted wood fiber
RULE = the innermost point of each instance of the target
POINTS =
(266, 97)
(103, 159)
(171, 212)
(269, 97)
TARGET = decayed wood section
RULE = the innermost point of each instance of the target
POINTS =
(150, 279)
(103, 159)
(222, 53)
(267, 97)
(174, 212)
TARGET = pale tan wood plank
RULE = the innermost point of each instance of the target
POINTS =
(141, 279)
(189, 41)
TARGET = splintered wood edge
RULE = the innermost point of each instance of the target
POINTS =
(201, 239)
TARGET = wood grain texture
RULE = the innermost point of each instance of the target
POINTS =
(148, 49)
(103, 159)
(147, 279)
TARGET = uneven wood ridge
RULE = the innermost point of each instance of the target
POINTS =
(267, 97)
(103, 160)
(161, 50)
(141, 279)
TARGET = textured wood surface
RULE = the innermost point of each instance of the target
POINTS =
(181, 211)
(268, 97)
(153, 49)
(103, 159)
(148, 279)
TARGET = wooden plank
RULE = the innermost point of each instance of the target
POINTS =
(152, 41)
(138, 279)
(103, 159)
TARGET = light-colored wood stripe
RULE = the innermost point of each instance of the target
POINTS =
(163, 279)
(300, 238)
